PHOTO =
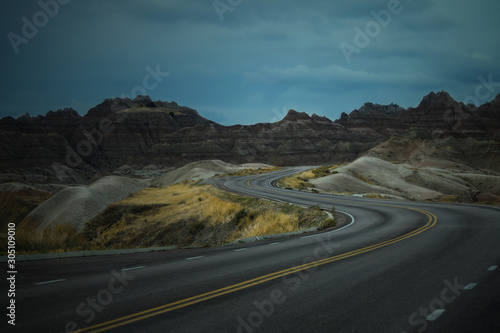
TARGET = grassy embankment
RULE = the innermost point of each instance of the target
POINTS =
(194, 216)
(182, 214)
(14, 206)
(60, 238)
(252, 172)
(301, 180)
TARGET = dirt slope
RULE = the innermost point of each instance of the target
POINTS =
(77, 205)
(374, 176)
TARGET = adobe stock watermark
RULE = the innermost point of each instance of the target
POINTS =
(95, 137)
(449, 294)
(223, 6)
(373, 28)
(92, 305)
(31, 27)
(485, 90)
(264, 309)
(279, 115)
(11, 273)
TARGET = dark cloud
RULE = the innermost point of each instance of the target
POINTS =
(261, 57)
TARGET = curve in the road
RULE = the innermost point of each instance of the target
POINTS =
(431, 221)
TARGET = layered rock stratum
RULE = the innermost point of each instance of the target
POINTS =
(124, 136)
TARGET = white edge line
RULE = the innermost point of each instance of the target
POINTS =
(48, 282)
(194, 258)
(336, 230)
(492, 268)
(470, 286)
(324, 233)
(435, 315)
(243, 249)
(275, 243)
(132, 268)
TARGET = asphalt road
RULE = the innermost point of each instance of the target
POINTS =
(399, 267)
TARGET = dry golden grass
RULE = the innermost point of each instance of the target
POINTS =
(296, 182)
(182, 214)
(252, 172)
(192, 215)
(15, 206)
(301, 180)
(267, 223)
(181, 202)
(59, 238)
(306, 175)
(159, 216)
(328, 223)
(376, 196)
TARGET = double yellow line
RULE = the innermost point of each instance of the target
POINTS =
(432, 220)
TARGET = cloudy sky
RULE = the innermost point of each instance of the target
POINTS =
(246, 61)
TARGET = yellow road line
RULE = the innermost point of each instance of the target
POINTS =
(432, 220)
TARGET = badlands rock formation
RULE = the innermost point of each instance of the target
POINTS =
(64, 147)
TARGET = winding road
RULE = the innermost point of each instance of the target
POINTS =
(397, 267)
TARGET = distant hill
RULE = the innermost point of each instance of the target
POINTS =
(64, 147)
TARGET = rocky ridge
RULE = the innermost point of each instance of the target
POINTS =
(63, 146)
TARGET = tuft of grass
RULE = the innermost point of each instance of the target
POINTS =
(375, 196)
(329, 223)
(59, 238)
(321, 172)
(14, 206)
(269, 222)
(294, 182)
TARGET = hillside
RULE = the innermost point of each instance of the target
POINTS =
(76, 205)
(374, 177)
(64, 147)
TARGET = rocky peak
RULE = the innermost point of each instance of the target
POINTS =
(343, 120)
(296, 116)
(439, 111)
(108, 106)
(441, 99)
(389, 110)
(26, 116)
(113, 105)
(379, 118)
(142, 100)
(67, 113)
